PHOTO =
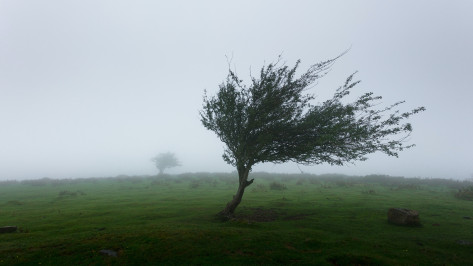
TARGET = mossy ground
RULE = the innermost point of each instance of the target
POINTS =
(322, 220)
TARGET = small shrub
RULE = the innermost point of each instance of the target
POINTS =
(465, 193)
(277, 186)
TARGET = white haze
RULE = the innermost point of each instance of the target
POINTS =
(97, 88)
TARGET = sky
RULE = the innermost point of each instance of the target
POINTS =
(97, 88)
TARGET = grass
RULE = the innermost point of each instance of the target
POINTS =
(323, 220)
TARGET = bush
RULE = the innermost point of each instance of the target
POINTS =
(465, 193)
(277, 186)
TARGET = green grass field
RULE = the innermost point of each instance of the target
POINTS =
(283, 219)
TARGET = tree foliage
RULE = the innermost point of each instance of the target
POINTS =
(274, 119)
(165, 160)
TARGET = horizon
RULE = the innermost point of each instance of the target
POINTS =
(292, 175)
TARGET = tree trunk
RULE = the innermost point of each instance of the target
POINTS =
(229, 210)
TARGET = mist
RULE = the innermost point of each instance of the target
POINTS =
(98, 88)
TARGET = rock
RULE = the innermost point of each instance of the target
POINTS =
(464, 242)
(109, 252)
(8, 229)
(401, 216)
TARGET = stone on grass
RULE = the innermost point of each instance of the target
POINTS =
(402, 216)
(108, 252)
(8, 229)
(464, 242)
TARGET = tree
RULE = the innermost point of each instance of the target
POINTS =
(165, 160)
(274, 120)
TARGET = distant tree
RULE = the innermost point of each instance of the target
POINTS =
(273, 120)
(165, 160)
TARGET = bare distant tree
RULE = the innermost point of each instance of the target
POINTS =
(165, 160)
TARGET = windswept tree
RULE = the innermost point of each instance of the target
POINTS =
(165, 160)
(273, 119)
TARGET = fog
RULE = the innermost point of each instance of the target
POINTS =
(98, 88)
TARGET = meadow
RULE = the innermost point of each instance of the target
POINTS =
(283, 219)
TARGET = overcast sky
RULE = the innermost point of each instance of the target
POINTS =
(97, 88)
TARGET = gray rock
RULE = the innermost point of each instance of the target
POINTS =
(464, 242)
(109, 252)
(8, 229)
(401, 216)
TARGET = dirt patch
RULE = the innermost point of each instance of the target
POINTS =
(259, 214)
